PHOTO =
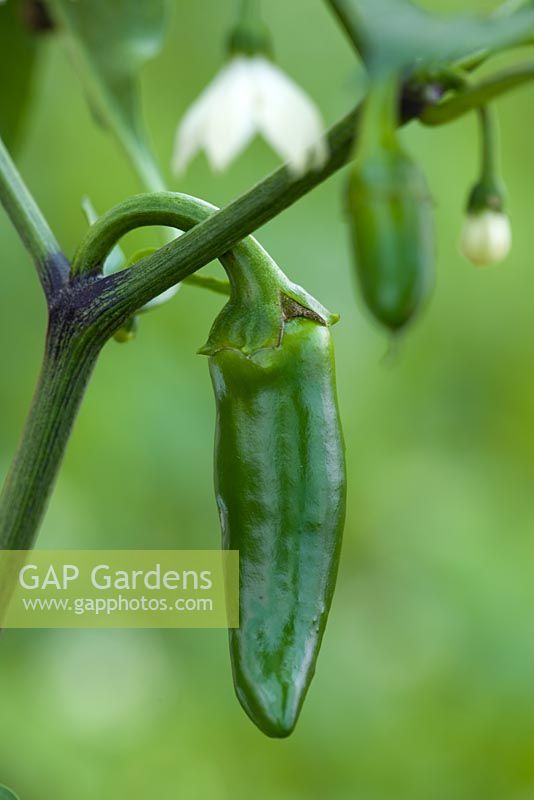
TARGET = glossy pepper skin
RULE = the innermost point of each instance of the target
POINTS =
(280, 487)
(392, 229)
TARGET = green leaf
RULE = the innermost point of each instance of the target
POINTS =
(18, 50)
(7, 794)
(398, 35)
(110, 41)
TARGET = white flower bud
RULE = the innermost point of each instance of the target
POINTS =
(486, 237)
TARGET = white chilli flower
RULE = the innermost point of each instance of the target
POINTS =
(486, 237)
(251, 95)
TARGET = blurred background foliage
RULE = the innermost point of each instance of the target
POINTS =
(425, 684)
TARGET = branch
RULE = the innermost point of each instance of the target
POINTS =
(52, 267)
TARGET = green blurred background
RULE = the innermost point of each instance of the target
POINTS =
(425, 684)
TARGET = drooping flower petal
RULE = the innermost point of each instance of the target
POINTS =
(251, 95)
(287, 118)
(486, 237)
(230, 124)
(189, 134)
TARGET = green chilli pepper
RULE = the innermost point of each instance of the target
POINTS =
(392, 227)
(280, 484)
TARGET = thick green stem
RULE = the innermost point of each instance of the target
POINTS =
(67, 366)
(32, 227)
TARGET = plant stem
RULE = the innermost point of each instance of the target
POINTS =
(249, 10)
(489, 146)
(67, 365)
(52, 267)
(380, 117)
(476, 95)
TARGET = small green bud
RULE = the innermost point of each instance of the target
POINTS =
(486, 195)
(250, 39)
